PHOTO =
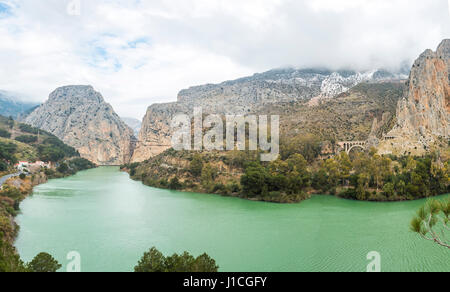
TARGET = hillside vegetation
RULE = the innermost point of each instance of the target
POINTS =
(22, 142)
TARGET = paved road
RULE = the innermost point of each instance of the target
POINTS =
(3, 179)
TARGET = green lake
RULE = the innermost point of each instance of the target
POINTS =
(111, 220)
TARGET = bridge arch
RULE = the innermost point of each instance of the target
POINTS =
(355, 146)
(348, 146)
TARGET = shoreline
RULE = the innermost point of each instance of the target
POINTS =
(307, 196)
(26, 189)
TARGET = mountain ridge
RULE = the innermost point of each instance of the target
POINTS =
(248, 95)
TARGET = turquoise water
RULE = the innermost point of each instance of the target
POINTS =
(111, 221)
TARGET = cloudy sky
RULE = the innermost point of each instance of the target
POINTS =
(139, 52)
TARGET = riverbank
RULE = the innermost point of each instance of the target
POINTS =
(14, 190)
(231, 190)
(282, 198)
(363, 177)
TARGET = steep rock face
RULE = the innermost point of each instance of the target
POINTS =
(423, 114)
(80, 117)
(155, 134)
(247, 95)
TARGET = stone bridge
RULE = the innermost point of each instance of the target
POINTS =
(348, 146)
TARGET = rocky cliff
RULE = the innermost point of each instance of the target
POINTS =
(80, 117)
(249, 95)
(423, 114)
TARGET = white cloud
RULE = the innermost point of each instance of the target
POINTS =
(141, 52)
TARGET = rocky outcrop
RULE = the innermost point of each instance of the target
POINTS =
(155, 135)
(423, 114)
(80, 117)
(249, 95)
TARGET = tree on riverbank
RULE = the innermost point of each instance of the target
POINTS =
(9, 259)
(154, 261)
(432, 222)
(44, 263)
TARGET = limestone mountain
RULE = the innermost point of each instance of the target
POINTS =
(80, 117)
(249, 95)
(283, 85)
(423, 114)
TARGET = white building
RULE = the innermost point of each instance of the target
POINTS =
(27, 165)
(22, 165)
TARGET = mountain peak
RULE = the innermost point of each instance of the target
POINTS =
(78, 115)
(76, 92)
(444, 48)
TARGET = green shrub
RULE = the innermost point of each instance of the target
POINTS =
(11, 192)
(220, 188)
(63, 168)
(196, 166)
(28, 129)
(27, 139)
(175, 184)
(254, 179)
(5, 134)
(7, 151)
(163, 183)
(49, 172)
(9, 260)
(44, 263)
(274, 194)
(78, 164)
(3, 166)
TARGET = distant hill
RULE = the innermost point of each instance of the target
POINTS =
(133, 123)
(11, 105)
(22, 142)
